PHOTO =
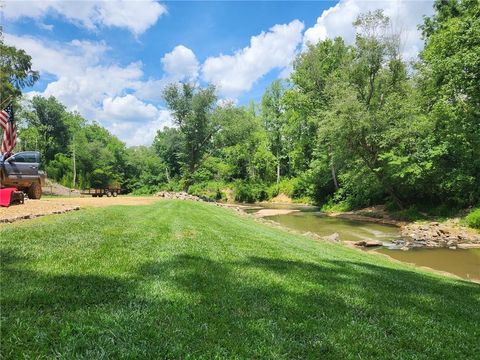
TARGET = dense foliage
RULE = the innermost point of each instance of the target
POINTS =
(354, 125)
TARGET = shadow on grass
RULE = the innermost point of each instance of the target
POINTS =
(254, 307)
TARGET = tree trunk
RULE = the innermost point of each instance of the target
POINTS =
(74, 168)
(167, 174)
(392, 192)
(332, 168)
(334, 175)
(278, 169)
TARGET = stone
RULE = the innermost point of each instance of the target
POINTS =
(368, 243)
(333, 237)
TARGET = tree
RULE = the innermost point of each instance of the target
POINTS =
(192, 112)
(273, 114)
(168, 145)
(450, 85)
(49, 117)
(313, 71)
(236, 140)
(15, 71)
(379, 80)
(144, 170)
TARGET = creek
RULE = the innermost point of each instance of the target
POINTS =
(463, 263)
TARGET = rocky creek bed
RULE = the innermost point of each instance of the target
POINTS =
(438, 235)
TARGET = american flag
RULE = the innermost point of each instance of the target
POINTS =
(9, 139)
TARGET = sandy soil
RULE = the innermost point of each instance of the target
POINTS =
(47, 206)
(273, 212)
(281, 199)
(89, 201)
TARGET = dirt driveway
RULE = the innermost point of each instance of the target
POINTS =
(47, 206)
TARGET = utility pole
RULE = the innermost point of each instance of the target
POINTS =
(74, 164)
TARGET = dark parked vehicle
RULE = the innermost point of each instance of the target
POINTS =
(21, 170)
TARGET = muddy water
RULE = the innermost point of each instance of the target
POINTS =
(348, 230)
(464, 263)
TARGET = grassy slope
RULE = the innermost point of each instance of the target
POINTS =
(180, 279)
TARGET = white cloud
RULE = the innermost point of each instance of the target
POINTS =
(234, 74)
(181, 64)
(80, 81)
(133, 120)
(405, 16)
(59, 59)
(128, 108)
(95, 90)
(151, 89)
(136, 16)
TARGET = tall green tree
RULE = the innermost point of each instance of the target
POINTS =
(192, 112)
(50, 118)
(313, 73)
(450, 83)
(15, 71)
(168, 145)
(274, 118)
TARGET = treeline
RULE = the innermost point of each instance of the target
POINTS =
(74, 152)
(354, 125)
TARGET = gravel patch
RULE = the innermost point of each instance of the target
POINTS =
(47, 206)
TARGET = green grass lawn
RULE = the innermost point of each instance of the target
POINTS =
(191, 280)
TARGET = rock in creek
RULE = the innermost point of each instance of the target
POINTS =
(368, 243)
(436, 235)
(335, 237)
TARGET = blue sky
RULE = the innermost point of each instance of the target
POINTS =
(110, 60)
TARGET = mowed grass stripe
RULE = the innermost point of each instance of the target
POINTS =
(191, 280)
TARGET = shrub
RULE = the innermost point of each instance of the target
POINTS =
(473, 219)
(144, 190)
(409, 214)
(295, 188)
(172, 185)
(249, 192)
(332, 206)
(208, 190)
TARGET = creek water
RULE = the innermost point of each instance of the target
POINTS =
(463, 263)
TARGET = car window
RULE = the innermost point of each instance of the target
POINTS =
(19, 158)
(25, 158)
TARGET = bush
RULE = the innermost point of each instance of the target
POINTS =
(100, 178)
(144, 190)
(295, 188)
(332, 206)
(249, 192)
(172, 185)
(409, 214)
(473, 219)
(210, 190)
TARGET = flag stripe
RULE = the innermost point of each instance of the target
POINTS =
(9, 139)
(3, 119)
